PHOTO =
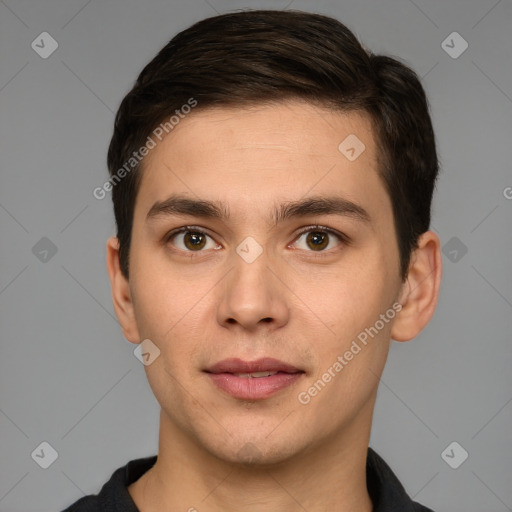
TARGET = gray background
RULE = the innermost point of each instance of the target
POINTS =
(68, 377)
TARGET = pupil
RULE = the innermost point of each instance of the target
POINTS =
(195, 239)
(318, 239)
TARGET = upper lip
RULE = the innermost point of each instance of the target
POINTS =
(265, 364)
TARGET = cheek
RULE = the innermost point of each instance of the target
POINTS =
(347, 306)
(159, 306)
(345, 301)
(170, 310)
(155, 309)
(347, 377)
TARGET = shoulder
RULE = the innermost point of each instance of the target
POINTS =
(114, 495)
(386, 491)
(89, 503)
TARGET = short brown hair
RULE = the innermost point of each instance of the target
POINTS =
(266, 56)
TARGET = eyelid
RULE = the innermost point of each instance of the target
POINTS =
(324, 229)
(314, 227)
(185, 229)
(181, 229)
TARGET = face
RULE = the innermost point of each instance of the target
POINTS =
(256, 285)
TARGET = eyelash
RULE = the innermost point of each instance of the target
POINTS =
(344, 239)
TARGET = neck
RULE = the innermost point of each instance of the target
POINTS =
(332, 476)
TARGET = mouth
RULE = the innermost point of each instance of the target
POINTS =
(253, 380)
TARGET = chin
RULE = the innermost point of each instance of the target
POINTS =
(256, 451)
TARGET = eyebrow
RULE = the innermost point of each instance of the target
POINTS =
(317, 205)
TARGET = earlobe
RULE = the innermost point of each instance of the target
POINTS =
(420, 291)
(121, 294)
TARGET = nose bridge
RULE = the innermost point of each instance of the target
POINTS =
(251, 292)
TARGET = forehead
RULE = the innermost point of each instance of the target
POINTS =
(254, 154)
(291, 124)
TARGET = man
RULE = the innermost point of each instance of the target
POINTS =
(272, 183)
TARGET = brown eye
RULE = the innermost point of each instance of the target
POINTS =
(191, 240)
(317, 240)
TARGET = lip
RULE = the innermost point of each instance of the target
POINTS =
(253, 388)
(265, 364)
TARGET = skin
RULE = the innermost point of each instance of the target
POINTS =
(295, 303)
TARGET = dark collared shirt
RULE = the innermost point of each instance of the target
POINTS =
(384, 488)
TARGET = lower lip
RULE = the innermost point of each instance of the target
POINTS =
(253, 388)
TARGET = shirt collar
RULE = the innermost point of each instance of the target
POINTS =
(385, 490)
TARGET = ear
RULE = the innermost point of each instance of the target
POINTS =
(420, 291)
(121, 294)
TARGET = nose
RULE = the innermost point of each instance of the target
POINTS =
(252, 296)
